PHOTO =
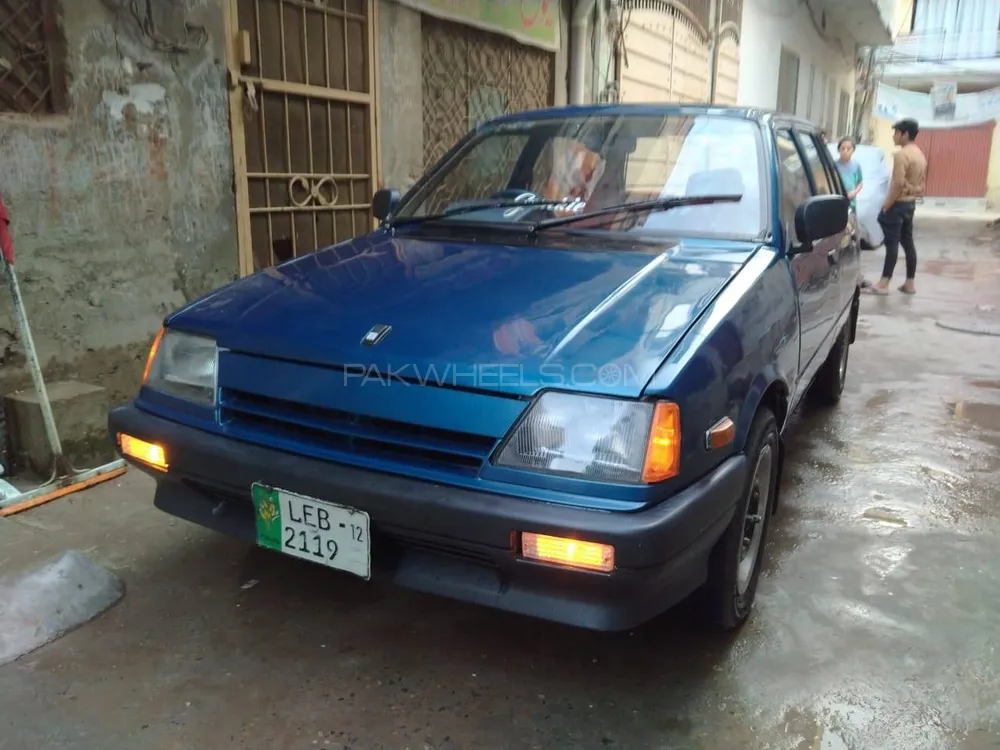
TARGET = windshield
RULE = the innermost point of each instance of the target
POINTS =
(532, 170)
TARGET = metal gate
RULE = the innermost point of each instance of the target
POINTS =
(471, 75)
(666, 53)
(303, 117)
(958, 160)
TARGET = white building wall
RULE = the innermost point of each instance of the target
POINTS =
(769, 25)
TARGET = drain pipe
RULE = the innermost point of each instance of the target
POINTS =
(713, 49)
(579, 24)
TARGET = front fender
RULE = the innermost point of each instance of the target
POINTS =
(767, 379)
(745, 340)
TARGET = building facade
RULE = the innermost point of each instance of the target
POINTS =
(800, 56)
(944, 70)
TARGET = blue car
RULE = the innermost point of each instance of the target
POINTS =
(554, 381)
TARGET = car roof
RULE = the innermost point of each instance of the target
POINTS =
(756, 114)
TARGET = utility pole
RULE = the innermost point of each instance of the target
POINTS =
(864, 98)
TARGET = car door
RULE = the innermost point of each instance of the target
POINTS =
(848, 261)
(835, 249)
(811, 270)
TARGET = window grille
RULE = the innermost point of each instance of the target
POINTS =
(32, 58)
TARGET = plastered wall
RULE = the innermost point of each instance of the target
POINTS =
(122, 209)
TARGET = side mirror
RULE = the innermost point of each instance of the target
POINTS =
(384, 202)
(821, 216)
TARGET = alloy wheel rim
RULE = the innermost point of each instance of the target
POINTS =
(753, 520)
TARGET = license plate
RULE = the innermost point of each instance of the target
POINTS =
(315, 530)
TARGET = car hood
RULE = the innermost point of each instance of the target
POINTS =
(478, 315)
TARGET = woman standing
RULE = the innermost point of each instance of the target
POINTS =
(850, 170)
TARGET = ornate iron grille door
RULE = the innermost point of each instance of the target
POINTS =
(306, 70)
(470, 76)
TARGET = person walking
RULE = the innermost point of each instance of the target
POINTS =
(909, 176)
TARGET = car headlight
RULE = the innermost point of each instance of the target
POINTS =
(183, 365)
(603, 439)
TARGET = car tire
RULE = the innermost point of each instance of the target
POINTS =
(735, 564)
(828, 386)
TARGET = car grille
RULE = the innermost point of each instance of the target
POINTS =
(332, 429)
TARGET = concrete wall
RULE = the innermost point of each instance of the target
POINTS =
(769, 25)
(561, 94)
(123, 209)
(993, 175)
(401, 129)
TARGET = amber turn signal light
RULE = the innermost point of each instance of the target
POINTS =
(152, 355)
(149, 453)
(663, 452)
(570, 553)
(721, 434)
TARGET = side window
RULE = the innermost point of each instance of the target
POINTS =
(821, 179)
(793, 178)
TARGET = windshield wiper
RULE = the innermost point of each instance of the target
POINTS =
(472, 209)
(655, 204)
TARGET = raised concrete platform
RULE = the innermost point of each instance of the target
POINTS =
(80, 411)
(954, 205)
(45, 602)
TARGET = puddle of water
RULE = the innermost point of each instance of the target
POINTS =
(861, 455)
(886, 560)
(879, 400)
(950, 268)
(944, 476)
(830, 741)
(886, 517)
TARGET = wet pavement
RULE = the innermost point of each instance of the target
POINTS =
(876, 624)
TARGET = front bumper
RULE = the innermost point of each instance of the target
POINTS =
(455, 542)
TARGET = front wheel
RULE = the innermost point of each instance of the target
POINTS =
(735, 564)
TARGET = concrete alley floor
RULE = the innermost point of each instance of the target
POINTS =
(876, 626)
